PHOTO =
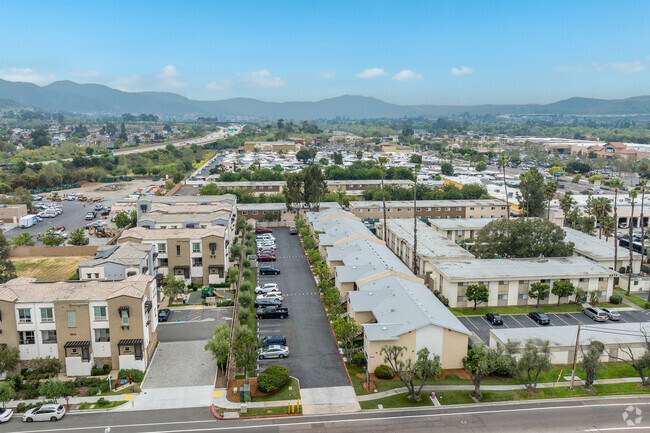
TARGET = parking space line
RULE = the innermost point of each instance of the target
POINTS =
(470, 322)
(560, 319)
(170, 316)
(518, 322)
(486, 321)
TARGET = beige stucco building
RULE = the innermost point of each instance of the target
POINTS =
(432, 209)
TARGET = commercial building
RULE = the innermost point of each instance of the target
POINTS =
(393, 306)
(82, 323)
(117, 262)
(197, 255)
(509, 280)
(11, 213)
(431, 209)
(431, 244)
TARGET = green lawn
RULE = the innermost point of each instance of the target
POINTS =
(399, 400)
(84, 406)
(523, 309)
(266, 411)
(283, 394)
(608, 305)
(635, 300)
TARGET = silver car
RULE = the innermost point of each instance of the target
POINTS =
(612, 314)
(47, 412)
(595, 314)
(274, 351)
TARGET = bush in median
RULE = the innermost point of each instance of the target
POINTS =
(273, 378)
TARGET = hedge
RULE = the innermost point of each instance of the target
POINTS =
(136, 375)
(273, 378)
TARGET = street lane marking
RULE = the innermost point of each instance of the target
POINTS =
(128, 397)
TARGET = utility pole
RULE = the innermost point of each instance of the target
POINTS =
(415, 220)
(575, 356)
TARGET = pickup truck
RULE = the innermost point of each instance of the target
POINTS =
(272, 313)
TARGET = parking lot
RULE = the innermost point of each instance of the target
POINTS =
(481, 327)
(314, 357)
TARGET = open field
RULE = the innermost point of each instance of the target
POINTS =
(47, 268)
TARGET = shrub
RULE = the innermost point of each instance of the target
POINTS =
(103, 386)
(246, 263)
(92, 390)
(272, 378)
(135, 388)
(24, 407)
(136, 375)
(244, 314)
(245, 299)
(384, 372)
(17, 380)
(249, 251)
(226, 303)
(102, 402)
(247, 273)
(647, 306)
(31, 392)
(615, 299)
(245, 286)
(358, 358)
(87, 381)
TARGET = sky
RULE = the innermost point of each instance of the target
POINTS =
(404, 52)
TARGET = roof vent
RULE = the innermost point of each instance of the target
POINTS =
(392, 310)
(383, 328)
(369, 293)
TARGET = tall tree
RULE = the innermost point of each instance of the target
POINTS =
(633, 195)
(25, 239)
(7, 268)
(607, 225)
(530, 363)
(566, 204)
(591, 362)
(481, 361)
(219, 344)
(9, 359)
(538, 291)
(562, 288)
(416, 168)
(293, 191)
(407, 371)
(503, 161)
(643, 183)
(617, 185)
(477, 294)
(246, 350)
(346, 331)
(447, 168)
(314, 186)
(382, 161)
(7, 392)
(598, 207)
(550, 188)
(531, 192)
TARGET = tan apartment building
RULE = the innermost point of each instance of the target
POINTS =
(351, 187)
(257, 188)
(198, 256)
(509, 280)
(82, 323)
(261, 213)
(459, 229)
(117, 262)
(146, 203)
(271, 146)
(431, 209)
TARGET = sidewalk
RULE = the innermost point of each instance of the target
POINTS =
(220, 400)
(73, 400)
(578, 381)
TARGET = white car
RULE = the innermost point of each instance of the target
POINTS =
(47, 412)
(274, 351)
(276, 296)
(6, 414)
(267, 288)
(265, 236)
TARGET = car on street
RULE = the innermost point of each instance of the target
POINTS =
(612, 314)
(539, 317)
(595, 314)
(164, 314)
(90, 216)
(267, 288)
(265, 258)
(271, 295)
(47, 412)
(267, 302)
(279, 340)
(293, 230)
(274, 351)
(263, 230)
(494, 318)
(269, 270)
(6, 414)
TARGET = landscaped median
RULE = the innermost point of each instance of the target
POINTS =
(523, 309)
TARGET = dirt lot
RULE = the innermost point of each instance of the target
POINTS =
(47, 268)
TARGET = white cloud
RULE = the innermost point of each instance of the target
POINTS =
(371, 73)
(169, 77)
(328, 75)
(616, 67)
(84, 73)
(407, 75)
(463, 70)
(221, 84)
(260, 79)
(627, 67)
(26, 75)
(127, 83)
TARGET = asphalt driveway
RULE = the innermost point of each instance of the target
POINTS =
(314, 357)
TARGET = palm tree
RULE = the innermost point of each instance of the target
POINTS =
(642, 184)
(633, 195)
(607, 224)
(598, 207)
(550, 188)
(616, 184)
(503, 161)
(416, 168)
(566, 203)
(382, 161)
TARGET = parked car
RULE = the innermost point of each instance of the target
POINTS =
(271, 295)
(595, 314)
(90, 216)
(263, 230)
(37, 197)
(293, 230)
(106, 212)
(6, 414)
(265, 249)
(269, 246)
(99, 206)
(47, 412)
(164, 314)
(612, 314)
(266, 258)
(266, 288)
(274, 351)
(266, 237)
(269, 270)
(279, 340)
(267, 302)
(494, 318)
(539, 317)
(272, 313)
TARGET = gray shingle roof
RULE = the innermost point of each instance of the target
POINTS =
(128, 254)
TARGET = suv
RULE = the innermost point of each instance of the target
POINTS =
(539, 317)
(293, 230)
(265, 258)
(90, 216)
(269, 270)
(494, 318)
(279, 340)
(595, 314)
(47, 412)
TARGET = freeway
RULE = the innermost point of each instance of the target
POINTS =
(570, 415)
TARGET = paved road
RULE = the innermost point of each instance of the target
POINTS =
(480, 326)
(314, 358)
(579, 415)
(201, 329)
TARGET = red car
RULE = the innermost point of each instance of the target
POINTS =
(265, 258)
(62, 228)
(263, 230)
(264, 251)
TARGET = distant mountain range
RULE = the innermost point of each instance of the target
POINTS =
(99, 99)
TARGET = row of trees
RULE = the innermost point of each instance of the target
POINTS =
(479, 293)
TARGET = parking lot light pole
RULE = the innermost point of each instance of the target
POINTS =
(575, 357)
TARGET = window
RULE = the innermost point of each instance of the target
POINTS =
(24, 315)
(471, 208)
(172, 227)
(162, 248)
(602, 293)
(102, 335)
(409, 210)
(163, 262)
(89, 276)
(502, 297)
(429, 209)
(447, 208)
(462, 284)
(523, 282)
(418, 209)
(602, 279)
(399, 209)
(72, 323)
(244, 213)
(503, 283)
(461, 298)
(584, 280)
(437, 209)
(459, 208)
(197, 261)
(523, 296)
(47, 315)
(178, 250)
(100, 313)
(49, 337)
(163, 227)
(196, 247)
(546, 281)
(213, 248)
(96, 275)
(26, 337)
(125, 318)
(254, 212)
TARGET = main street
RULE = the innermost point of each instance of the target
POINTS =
(570, 415)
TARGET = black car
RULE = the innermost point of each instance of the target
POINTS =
(494, 318)
(539, 317)
(262, 303)
(274, 339)
(164, 314)
(269, 270)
